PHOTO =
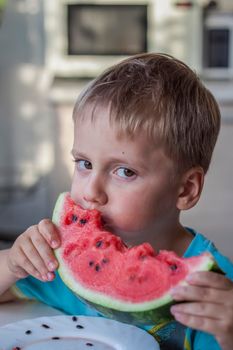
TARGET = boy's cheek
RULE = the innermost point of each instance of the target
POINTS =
(76, 191)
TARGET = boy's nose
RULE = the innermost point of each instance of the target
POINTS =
(94, 193)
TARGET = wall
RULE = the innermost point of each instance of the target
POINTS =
(26, 149)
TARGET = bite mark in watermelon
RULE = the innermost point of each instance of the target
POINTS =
(131, 285)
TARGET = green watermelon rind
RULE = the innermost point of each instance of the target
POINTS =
(155, 311)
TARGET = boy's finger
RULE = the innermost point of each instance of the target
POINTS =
(199, 293)
(210, 279)
(209, 310)
(32, 255)
(28, 267)
(44, 252)
(199, 323)
(49, 232)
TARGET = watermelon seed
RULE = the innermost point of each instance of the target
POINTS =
(143, 257)
(83, 221)
(28, 331)
(91, 263)
(56, 338)
(79, 326)
(98, 244)
(74, 218)
(105, 261)
(173, 267)
(74, 318)
(89, 344)
(17, 348)
(97, 267)
(132, 277)
(45, 325)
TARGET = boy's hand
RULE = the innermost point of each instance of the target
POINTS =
(32, 252)
(210, 306)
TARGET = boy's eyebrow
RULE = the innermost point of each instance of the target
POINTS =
(77, 154)
(74, 153)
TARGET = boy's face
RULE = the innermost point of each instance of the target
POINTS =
(129, 181)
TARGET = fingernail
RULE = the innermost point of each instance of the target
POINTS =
(173, 310)
(176, 290)
(54, 244)
(192, 277)
(177, 293)
(50, 276)
(52, 266)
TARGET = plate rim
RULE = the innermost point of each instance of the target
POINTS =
(62, 319)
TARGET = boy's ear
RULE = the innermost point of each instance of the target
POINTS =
(190, 189)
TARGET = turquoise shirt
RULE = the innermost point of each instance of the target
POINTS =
(172, 336)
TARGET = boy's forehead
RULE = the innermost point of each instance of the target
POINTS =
(101, 117)
(102, 134)
(124, 127)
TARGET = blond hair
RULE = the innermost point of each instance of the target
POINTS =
(163, 96)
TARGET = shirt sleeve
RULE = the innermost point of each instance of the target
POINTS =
(53, 293)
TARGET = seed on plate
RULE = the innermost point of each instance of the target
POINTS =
(45, 326)
(74, 318)
(56, 338)
(79, 326)
(28, 331)
(89, 344)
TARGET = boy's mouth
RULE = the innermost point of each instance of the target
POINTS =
(103, 221)
(106, 223)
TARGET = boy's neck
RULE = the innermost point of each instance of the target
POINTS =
(176, 239)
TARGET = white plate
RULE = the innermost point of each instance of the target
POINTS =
(74, 333)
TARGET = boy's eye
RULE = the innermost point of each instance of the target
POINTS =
(83, 164)
(125, 172)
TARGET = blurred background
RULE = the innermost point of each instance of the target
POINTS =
(50, 49)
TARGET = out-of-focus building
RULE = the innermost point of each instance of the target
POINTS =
(50, 49)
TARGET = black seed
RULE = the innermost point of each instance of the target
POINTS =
(97, 267)
(74, 318)
(173, 267)
(79, 326)
(91, 263)
(83, 221)
(45, 325)
(132, 277)
(89, 344)
(17, 348)
(143, 257)
(28, 331)
(98, 244)
(56, 338)
(105, 260)
(74, 218)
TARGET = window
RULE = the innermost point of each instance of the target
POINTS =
(106, 29)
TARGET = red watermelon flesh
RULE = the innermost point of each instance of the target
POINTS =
(133, 282)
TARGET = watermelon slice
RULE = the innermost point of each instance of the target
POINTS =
(128, 284)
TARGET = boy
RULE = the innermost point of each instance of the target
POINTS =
(144, 133)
